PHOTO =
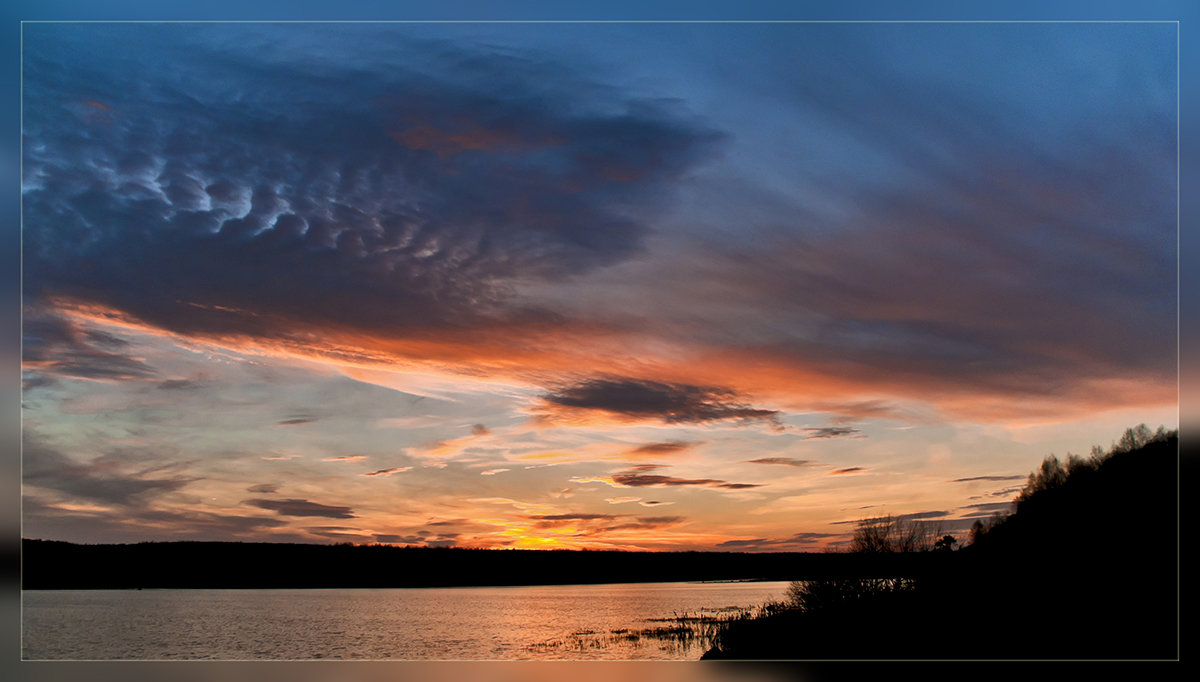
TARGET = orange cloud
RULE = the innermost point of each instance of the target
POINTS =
(534, 355)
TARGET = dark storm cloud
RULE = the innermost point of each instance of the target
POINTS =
(667, 402)
(411, 178)
(786, 461)
(296, 507)
(111, 478)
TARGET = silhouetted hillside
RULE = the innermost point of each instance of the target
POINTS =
(1087, 567)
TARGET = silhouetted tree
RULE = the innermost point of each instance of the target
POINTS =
(945, 543)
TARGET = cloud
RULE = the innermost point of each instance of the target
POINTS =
(659, 520)
(178, 384)
(636, 399)
(52, 344)
(571, 517)
(636, 478)
(1016, 477)
(263, 488)
(388, 472)
(831, 432)
(297, 507)
(665, 448)
(847, 470)
(654, 503)
(799, 539)
(492, 472)
(415, 178)
(988, 509)
(480, 430)
(43, 518)
(786, 461)
(345, 458)
(112, 478)
(296, 421)
(913, 516)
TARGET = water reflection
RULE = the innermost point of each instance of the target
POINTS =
(572, 622)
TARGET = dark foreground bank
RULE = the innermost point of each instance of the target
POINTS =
(1087, 567)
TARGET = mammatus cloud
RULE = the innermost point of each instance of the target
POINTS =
(297, 507)
(416, 191)
(643, 400)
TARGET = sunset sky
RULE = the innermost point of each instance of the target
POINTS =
(634, 286)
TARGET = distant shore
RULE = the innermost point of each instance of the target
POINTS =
(52, 565)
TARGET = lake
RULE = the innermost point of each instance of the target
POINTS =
(564, 622)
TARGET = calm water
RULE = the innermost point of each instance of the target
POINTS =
(576, 622)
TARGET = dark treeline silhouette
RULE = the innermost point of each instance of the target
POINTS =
(61, 565)
(1086, 567)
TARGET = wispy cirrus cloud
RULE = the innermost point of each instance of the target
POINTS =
(388, 472)
(640, 477)
(786, 461)
(300, 507)
(665, 448)
(847, 471)
(113, 478)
